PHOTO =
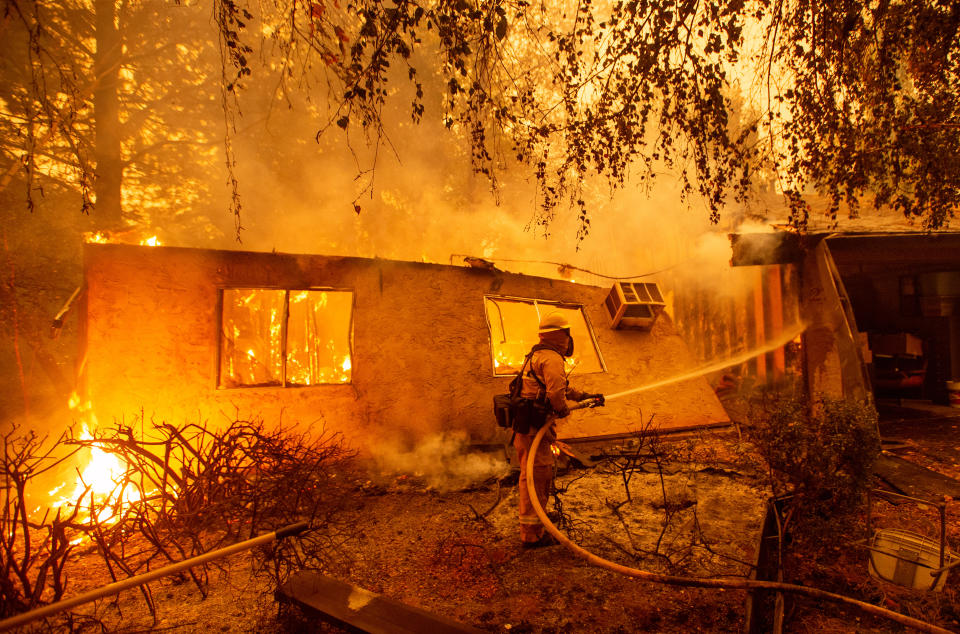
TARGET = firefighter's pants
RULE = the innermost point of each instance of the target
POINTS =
(543, 471)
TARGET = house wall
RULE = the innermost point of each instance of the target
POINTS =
(834, 365)
(850, 285)
(723, 323)
(421, 357)
(797, 274)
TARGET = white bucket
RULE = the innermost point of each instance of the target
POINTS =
(907, 559)
(953, 393)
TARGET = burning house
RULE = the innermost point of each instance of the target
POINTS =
(370, 348)
(880, 308)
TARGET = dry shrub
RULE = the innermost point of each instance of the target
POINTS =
(200, 488)
(33, 552)
(185, 490)
(820, 451)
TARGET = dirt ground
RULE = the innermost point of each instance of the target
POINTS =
(456, 552)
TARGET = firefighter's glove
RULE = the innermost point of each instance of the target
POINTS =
(597, 400)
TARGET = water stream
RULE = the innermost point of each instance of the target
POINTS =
(713, 366)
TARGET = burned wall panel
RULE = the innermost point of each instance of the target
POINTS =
(420, 363)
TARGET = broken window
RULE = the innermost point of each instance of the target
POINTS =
(284, 338)
(513, 324)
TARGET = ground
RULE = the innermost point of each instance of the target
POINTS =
(456, 553)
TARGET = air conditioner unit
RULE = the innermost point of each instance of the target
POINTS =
(634, 305)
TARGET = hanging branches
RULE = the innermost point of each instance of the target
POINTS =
(861, 101)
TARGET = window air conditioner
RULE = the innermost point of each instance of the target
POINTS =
(634, 305)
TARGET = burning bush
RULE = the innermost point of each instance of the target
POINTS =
(169, 494)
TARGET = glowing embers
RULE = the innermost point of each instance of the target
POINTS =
(513, 326)
(285, 337)
(103, 488)
(128, 237)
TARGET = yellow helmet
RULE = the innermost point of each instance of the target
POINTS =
(553, 321)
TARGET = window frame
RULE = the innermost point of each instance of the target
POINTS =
(536, 304)
(283, 332)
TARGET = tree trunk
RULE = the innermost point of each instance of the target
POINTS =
(106, 112)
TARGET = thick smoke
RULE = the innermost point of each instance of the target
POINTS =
(443, 461)
(422, 201)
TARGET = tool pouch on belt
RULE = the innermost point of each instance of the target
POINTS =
(530, 415)
(503, 410)
(521, 414)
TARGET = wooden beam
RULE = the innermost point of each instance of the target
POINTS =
(760, 334)
(775, 306)
(359, 610)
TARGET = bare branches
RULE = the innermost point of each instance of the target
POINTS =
(182, 491)
(32, 554)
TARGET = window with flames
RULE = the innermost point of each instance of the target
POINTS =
(513, 324)
(282, 337)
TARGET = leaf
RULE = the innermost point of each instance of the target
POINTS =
(343, 121)
(501, 31)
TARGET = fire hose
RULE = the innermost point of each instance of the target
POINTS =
(704, 582)
(139, 580)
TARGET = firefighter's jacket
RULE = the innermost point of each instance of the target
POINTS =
(548, 366)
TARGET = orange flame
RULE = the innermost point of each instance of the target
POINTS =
(99, 481)
(127, 237)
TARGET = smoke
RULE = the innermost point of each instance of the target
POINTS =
(443, 461)
(418, 199)
(707, 269)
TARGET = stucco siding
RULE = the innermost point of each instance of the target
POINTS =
(421, 360)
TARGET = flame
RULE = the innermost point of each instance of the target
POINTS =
(502, 358)
(98, 481)
(555, 450)
(103, 474)
(124, 237)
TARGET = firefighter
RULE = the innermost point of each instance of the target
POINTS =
(545, 380)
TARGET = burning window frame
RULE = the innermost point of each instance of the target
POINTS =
(542, 307)
(284, 351)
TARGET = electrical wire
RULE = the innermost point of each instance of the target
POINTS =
(563, 266)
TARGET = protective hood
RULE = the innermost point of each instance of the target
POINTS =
(559, 340)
